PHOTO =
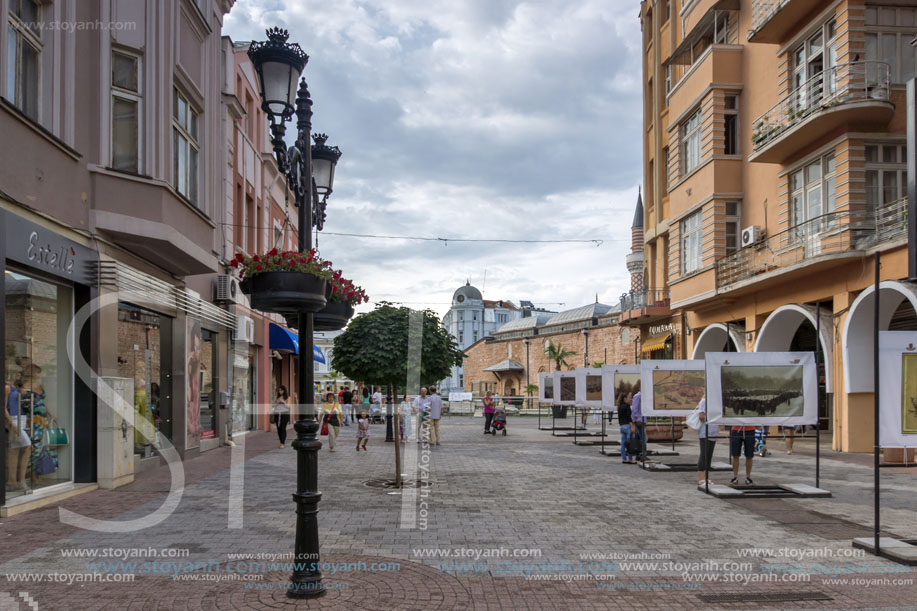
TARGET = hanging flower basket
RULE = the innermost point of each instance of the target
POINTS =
(284, 281)
(333, 316)
(286, 292)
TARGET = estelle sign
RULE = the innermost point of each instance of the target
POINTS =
(59, 259)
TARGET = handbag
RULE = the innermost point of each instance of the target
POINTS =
(693, 420)
(634, 445)
(325, 426)
(45, 463)
(54, 437)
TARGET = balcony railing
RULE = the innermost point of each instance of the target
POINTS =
(835, 233)
(647, 298)
(843, 84)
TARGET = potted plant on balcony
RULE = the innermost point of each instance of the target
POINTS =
(289, 281)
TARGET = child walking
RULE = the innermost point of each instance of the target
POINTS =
(362, 431)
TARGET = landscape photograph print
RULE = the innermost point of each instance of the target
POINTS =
(765, 391)
(568, 388)
(909, 394)
(549, 387)
(594, 387)
(626, 386)
(677, 389)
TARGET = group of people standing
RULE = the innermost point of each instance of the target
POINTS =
(632, 424)
(347, 406)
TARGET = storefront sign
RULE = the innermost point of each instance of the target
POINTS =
(659, 329)
(31, 244)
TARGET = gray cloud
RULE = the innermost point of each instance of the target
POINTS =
(481, 118)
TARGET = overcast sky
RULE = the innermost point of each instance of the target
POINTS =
(473, 119)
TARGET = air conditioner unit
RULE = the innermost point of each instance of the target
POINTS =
(751, 235)
(245, 329)
(226, 289)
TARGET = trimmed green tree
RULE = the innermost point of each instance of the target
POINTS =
(374, 348)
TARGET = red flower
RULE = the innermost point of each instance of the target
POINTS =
(234, 263)
(258, 267)
(255, 259)
(272, 252)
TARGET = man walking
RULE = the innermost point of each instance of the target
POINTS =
(741, 437)
(421, 408)
(346, 400)
(436, 412)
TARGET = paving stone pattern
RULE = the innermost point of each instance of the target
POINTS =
(527, 491)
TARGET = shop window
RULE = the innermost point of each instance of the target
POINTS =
(207, 385)
(141, 338)
(244, 383)
(38, 390)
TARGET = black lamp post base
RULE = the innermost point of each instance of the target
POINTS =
(389, 428)
(306, 586)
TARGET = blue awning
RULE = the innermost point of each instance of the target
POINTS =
(284, 339)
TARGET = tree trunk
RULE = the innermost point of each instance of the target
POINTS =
(397, 412)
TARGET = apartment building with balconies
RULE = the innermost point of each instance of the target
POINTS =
(775, 169)
(111, 201)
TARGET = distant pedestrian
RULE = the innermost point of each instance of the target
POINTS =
(742, 437)
(362, 430)
(636, 414)
(789, 435)
(422, 408)
(377, 400)
(404, 417)
(280, 415)
(436, 412)
(331, 414)
(488, 402)
(706, 437)
(355, 402)
(626, 426)
(347, 405)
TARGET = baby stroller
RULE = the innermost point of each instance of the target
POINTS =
(499, 423)
(761, 442)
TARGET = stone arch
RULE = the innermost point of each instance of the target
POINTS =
(857, 338)
(716, 337)
(777, 332)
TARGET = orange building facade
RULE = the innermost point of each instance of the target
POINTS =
(774, 171)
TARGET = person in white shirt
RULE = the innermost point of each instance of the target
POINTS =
(404, 413)
(421, 408)
(707, 437)
(436, 413)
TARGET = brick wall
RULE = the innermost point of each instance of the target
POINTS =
(483, 354)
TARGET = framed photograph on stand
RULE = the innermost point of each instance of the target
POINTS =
(762, 388)
(671, 388)
(589, 387)
(898, 389)
(621, 381)
(565, 387)
(546, 388)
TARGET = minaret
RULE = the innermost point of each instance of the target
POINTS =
(635, 258)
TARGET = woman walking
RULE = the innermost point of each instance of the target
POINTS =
(706, 435)
(626, 428)
(404, 416)
(362, 431)
(281, 413)
(331, 413)
(488, 402)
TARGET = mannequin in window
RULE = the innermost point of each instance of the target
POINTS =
(16, 423)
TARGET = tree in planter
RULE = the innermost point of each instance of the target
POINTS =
(375, 347)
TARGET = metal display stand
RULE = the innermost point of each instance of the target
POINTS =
(601, 434)
(646, 451)
(577, 430)
(902, 551)
(554, 426)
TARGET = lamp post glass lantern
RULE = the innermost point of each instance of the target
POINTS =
(279, 65)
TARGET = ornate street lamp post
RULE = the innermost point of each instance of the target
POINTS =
(279, 65)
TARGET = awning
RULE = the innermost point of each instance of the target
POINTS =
(655, 342)
(505, 365)
(284, 339)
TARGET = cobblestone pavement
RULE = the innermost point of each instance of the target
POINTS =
(538, 511)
